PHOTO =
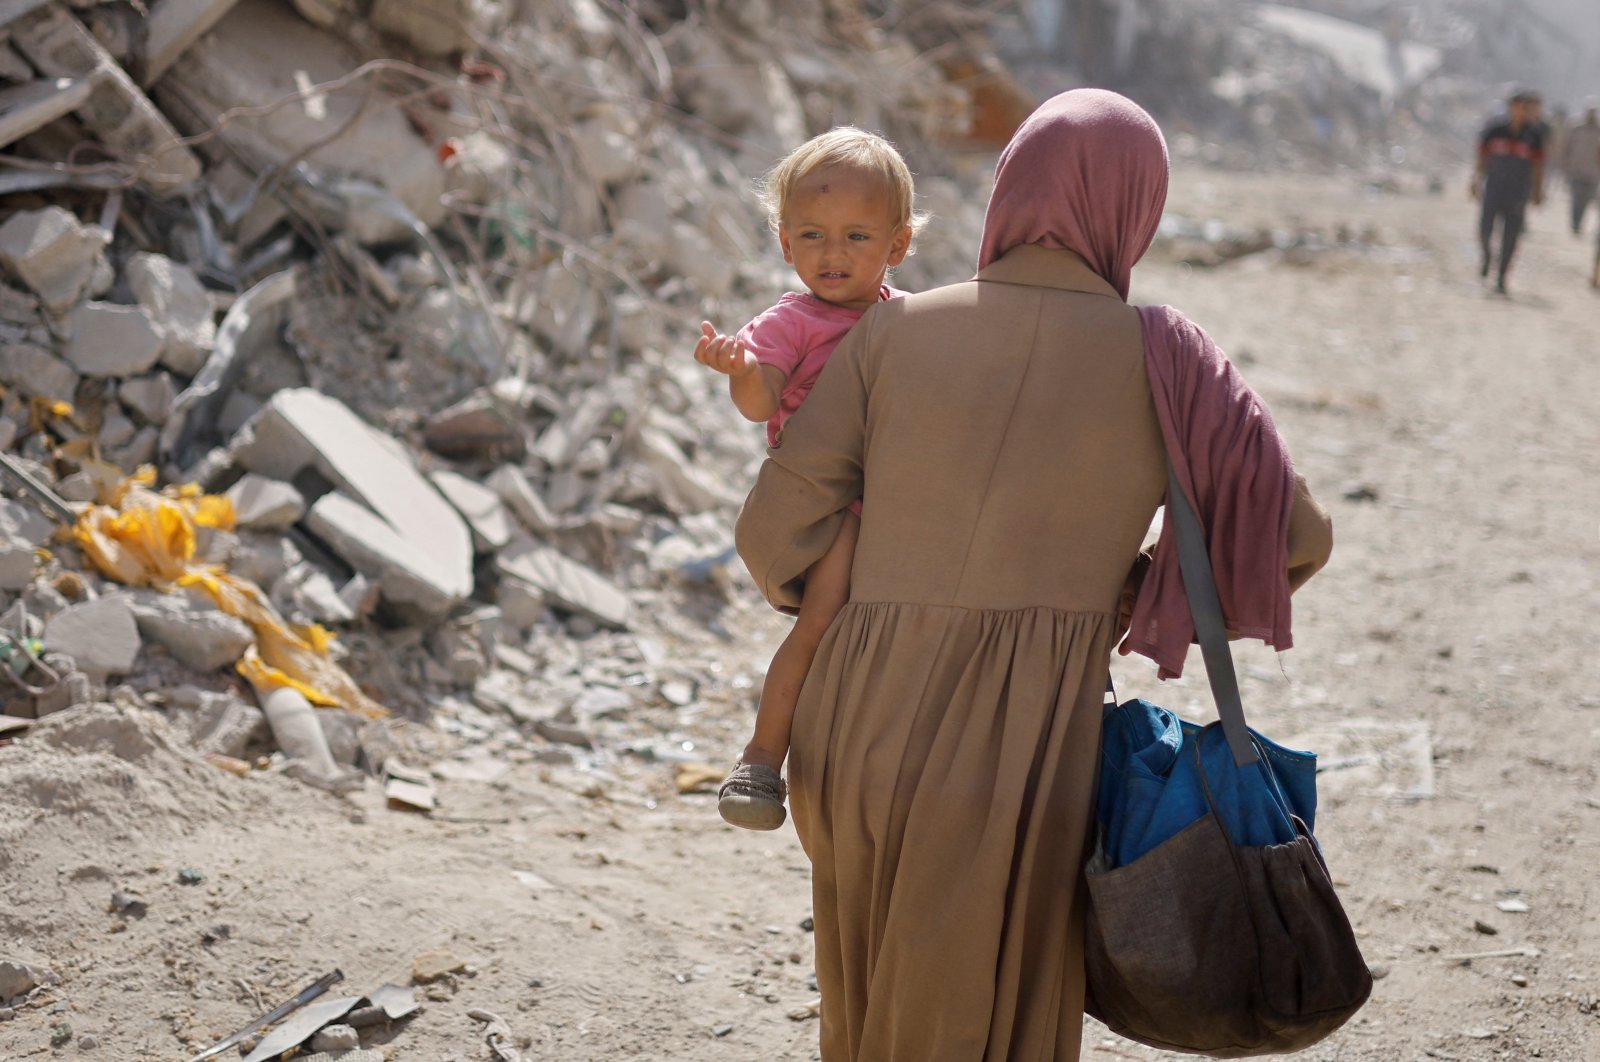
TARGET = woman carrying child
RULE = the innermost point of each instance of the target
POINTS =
(1010, 436)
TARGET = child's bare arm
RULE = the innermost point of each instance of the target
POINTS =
(754, 387)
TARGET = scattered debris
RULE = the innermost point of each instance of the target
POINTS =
(435, 964)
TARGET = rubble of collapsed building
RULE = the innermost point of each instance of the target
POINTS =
(398, 331)
(1367, 85)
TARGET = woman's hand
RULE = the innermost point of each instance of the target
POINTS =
(1130, 594)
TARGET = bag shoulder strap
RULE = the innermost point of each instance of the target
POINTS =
(1201, 589)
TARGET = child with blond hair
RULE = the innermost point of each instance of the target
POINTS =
(841, 205)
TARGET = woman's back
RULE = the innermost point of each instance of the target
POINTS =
(1012, 455)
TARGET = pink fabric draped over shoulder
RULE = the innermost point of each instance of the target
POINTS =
(1087, 172)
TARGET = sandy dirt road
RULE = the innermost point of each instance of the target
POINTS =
(1448, 649)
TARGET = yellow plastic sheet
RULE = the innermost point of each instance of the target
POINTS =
(145, 537)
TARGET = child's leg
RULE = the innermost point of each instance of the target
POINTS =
(827, 589)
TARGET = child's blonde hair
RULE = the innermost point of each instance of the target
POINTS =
(855, 149)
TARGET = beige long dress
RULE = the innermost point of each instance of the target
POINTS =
(1003, 437)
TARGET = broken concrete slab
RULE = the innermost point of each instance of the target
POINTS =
(262, 504)
(192, 629)
(375, 549)
(173, 296)
(117, 111)
(410, 540)
(112, 340)
(36, 371)
(439, 27)
(35, 104)
(684, 488)
(306, 593)
(101, 636)
(479, 505)
(149, 397)
(171, 27)
(53, 253)
(566, 583)
(519, 494)
(240, 63)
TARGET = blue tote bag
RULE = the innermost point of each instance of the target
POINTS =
(1213, 926)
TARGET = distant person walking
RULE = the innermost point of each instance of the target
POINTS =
(1580, 159)
(1510, 172)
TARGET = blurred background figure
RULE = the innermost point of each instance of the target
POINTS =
(1580, 160)
(1510, 173)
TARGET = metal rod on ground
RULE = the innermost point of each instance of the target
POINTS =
(48, 499)
(307, 994)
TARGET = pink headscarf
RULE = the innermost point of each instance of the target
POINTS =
(1087, 172)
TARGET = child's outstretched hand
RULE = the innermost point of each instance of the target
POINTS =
(725, 354)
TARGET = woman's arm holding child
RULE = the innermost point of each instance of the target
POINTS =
(755, 387)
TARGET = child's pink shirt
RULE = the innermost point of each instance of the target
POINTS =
(797, 337)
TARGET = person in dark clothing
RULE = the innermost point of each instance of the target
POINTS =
(1510, 173)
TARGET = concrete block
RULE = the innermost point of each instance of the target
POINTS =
(438, 27)
(36, 371)
(305, 592)
(16, 566)
(139, 450)
(410, 540)
(22, 524)
(150, 397)
(194, 631)
(565, 583)
(112, 340)
(263, 504)
(519, 494)
(116, 428)
(375, 549)
(521, 603)
(38, 102)
(101, 636)
(480, 506)
(173, 296)
(174, 25)
(53, 253)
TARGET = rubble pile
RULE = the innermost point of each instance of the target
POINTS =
(1375, 86)
(410, 285)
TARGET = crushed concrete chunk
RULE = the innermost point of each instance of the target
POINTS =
(438, 27)
(101, 635)
(22, 524)
(479, 505)
(16, 979)
(112, 340)
(16, 566)
(53, 253)
(409, 540)
(263, 504)
(373, 547)
(150, 397)
(515, 489)
(193, 630)
(172, 295)
(36, 371)
(566, 583)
